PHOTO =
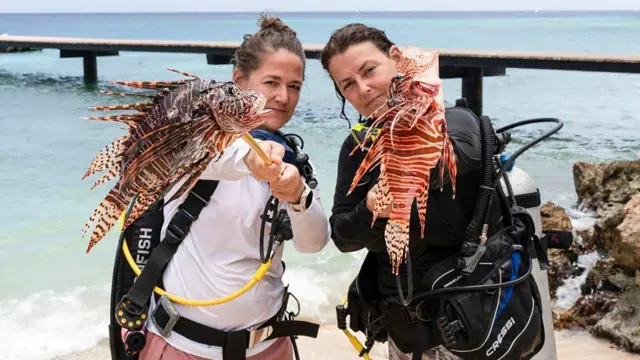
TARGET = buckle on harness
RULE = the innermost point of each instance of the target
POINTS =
(129, 315)
(259, 335)
(167, 306)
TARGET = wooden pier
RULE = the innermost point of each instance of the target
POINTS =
(469, 65)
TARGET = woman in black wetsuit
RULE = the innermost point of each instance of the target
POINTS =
(359, 61)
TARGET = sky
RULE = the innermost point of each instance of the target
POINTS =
(12, 6)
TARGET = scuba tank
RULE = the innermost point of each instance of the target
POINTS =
(527, 195)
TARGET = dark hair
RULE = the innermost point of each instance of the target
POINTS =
(272, 36)
(346, 36)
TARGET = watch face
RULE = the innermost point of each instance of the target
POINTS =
(308, 200)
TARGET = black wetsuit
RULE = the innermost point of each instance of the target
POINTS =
(351, 220)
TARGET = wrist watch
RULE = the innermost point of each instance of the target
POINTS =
(305, 200)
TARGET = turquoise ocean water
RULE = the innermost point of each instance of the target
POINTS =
(54, 298)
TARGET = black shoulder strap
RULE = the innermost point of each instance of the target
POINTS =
(454, 215)
(178, 228)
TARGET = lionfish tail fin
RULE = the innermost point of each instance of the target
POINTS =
(397, 238)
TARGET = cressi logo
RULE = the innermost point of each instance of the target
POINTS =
(505, 329)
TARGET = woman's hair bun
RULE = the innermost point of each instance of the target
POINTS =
(269, 22)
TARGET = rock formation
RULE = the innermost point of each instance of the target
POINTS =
(610, 303)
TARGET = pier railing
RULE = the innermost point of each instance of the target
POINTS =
(469, 65)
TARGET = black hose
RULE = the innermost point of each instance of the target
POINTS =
(272, 204)
(484, 197)
(530, 144)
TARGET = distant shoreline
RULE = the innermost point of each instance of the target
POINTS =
(351, 12)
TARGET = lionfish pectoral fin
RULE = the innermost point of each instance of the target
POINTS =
(422, 206)
(452, 164)
(159, 133)
(191, 180)
(397, 239)
(382, 200)
(144, 201)
(107, 156)
(372, 159)
(108, 176)
(171, 141)
(106, 214)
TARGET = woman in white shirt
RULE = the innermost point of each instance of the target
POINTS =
(220, 253)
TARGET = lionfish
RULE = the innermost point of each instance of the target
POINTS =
(412, 140)
(172, 137)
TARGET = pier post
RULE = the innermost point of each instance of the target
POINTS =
(472, 88)
(90, 64)
(89, 61)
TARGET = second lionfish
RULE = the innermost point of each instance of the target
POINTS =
(411, 141)
(172, 137)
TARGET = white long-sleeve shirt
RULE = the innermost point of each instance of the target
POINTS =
(221, 253)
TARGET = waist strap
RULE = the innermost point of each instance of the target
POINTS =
(233, 343)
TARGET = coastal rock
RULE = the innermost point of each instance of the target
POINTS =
(587, 178)
(562, 262)
(554, 217)
(622, 323)
(609, 306)
(587, 311)
(606, 183)
(606, 275)
(589, 240)
(612, 190)
(625, 242)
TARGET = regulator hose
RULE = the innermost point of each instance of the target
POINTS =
(488, 142)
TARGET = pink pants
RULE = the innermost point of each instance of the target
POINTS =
(157, 348)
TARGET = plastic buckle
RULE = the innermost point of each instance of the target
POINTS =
(259, 335)
(175, 234)
(166, 304)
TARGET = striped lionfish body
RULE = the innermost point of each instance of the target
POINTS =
(172, 137)
(411, 141)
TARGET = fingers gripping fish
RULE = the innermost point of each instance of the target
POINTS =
(170, 138)
(411, 142)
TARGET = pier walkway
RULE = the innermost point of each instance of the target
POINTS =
(469, 65)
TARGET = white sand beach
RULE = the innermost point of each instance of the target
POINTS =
(333, 344)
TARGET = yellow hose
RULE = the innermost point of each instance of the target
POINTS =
(259, 274)
(352, 339)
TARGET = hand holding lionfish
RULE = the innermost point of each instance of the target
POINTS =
(411, 142)
(172, 137)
